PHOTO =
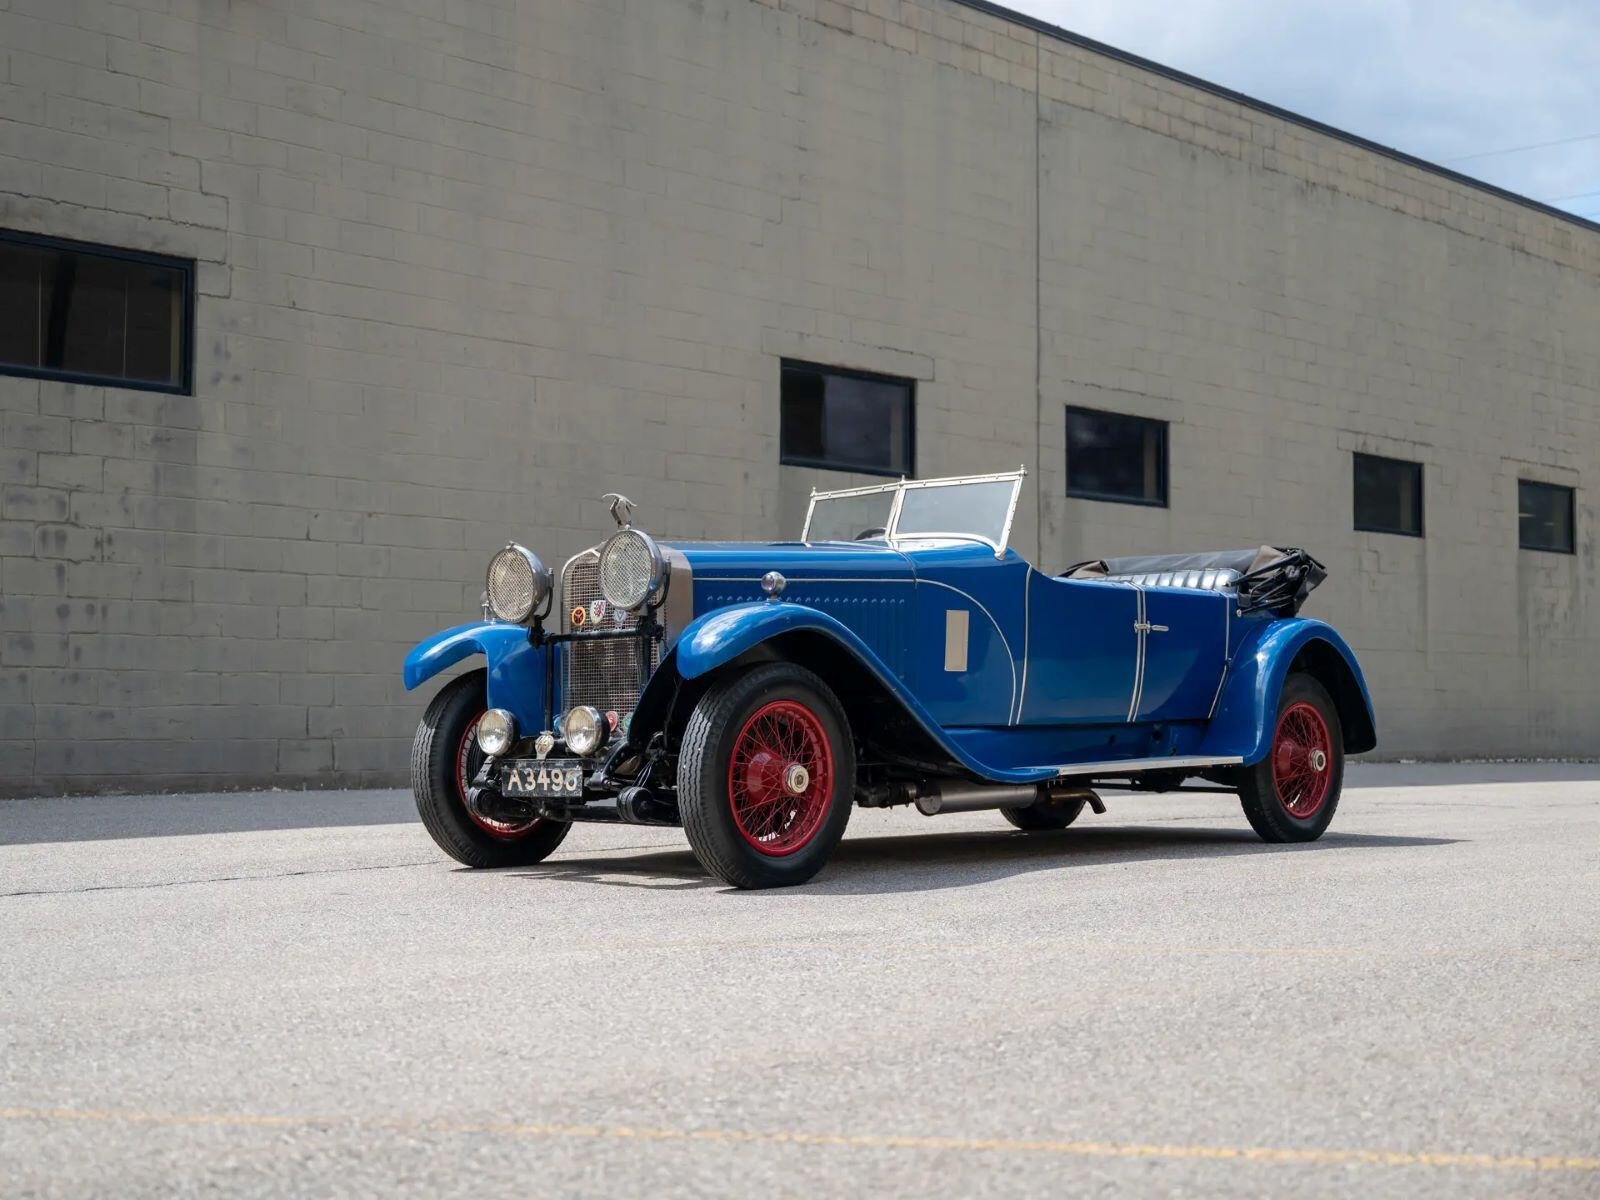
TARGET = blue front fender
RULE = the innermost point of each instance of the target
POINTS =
(517, 668)
(720, 636)
(1246, 713)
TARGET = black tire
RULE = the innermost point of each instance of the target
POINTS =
(1270, 804)
(725, 720)
(436, 781)
(1044, 816)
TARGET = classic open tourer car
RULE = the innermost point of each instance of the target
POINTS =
(898, 653)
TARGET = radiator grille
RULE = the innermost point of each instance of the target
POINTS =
(602, 673)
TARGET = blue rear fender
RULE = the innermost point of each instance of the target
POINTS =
(1246, 713)
(516, 667)
(725, 634)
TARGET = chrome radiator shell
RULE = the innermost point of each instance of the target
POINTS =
(606, 673)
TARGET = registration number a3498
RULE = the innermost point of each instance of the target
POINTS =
(550, 778)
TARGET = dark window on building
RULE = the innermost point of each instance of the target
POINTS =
(1545, 516)
(94, 314)
(1112, 456)
(846, 420)
(1388, 495)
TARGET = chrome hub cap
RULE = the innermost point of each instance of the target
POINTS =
(1319, 761)
(796, 779)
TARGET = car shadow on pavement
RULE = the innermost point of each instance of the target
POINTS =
(938, 861)
(932, 862)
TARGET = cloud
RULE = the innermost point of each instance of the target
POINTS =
(1439, 80)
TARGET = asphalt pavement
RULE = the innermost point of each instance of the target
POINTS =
(281, 994)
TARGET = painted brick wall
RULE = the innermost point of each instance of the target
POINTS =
(466, 265)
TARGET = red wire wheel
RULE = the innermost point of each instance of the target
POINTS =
(468, 759)
(780, 778)
(1302, 760)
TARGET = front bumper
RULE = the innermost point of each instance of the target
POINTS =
(519, 787)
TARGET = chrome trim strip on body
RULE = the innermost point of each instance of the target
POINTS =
(1145, 764)
(801, 580)
(1140, 631)
(1027, 639)
(1227, 656)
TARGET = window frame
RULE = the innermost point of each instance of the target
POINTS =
(1572, 515)
(820, 464)
(1164, 472)
(1422, 495)
(186, 269)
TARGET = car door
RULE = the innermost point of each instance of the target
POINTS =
(1184, 632)
(1081, 664)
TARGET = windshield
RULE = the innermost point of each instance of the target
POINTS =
(960, 509)
(850, 518)
(968, 508)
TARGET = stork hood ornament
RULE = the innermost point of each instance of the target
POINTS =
(621, 509)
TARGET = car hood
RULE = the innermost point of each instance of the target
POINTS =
(797, 560)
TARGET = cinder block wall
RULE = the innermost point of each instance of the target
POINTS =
(464, 266)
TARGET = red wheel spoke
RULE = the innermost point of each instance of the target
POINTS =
(778, 737)
(1302, 760)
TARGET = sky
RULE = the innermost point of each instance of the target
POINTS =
(1452, 81)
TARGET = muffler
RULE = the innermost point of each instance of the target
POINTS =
(954, 795)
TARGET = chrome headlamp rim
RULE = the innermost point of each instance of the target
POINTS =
(517, 609)
(496, 731)
(655, 589)
(584, 729)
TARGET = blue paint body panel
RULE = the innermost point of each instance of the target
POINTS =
(1015, 676)
(1185, 654)
(517, 669)
(1081, 651)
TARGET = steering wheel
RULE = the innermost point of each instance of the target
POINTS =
(876, 531)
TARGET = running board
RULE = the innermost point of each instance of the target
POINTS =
(1130, 766)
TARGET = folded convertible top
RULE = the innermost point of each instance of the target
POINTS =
(1271, 578)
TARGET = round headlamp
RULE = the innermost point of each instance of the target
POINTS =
(584, 728)
(517, 584)
(633, 575)
(497, 729)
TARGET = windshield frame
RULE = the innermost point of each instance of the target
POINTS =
(901, 486)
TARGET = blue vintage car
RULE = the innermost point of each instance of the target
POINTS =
(898, 653)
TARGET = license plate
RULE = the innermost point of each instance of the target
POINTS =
(550, 779)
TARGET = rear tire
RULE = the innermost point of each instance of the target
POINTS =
(1292, 793)
(766, 777)
(444, 759)
(1045, 816)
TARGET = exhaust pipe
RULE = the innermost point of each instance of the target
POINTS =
(954, 795)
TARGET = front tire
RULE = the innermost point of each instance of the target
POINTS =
(766, 777)
(444, 759)
(1292, 793)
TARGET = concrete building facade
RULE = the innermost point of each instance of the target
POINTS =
(462, 266)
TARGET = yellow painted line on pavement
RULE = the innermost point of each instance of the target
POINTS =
(871, 1141)
(1055, 946)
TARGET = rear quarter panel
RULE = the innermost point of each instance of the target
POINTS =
(1265, 649)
